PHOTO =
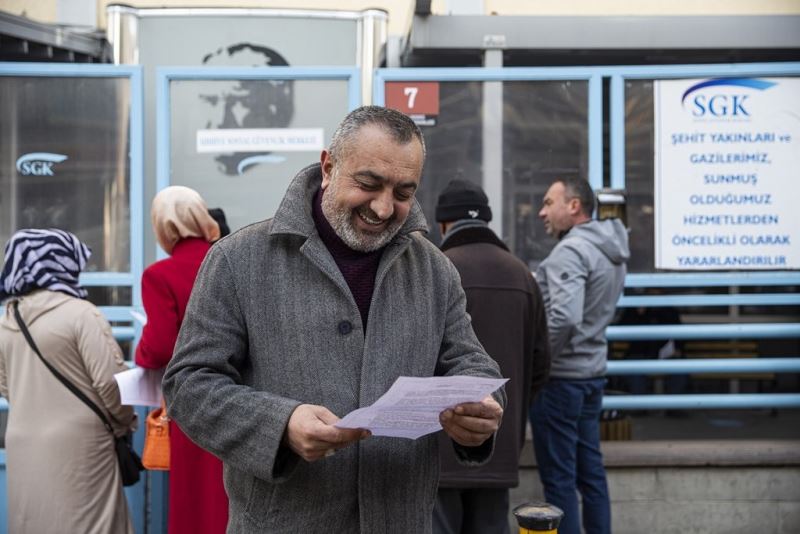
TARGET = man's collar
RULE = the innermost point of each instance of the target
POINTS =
(563, 234)
(472, 235)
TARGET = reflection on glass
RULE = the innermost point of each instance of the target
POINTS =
(545, 136)
(64, 162)
(110, 295)
(248, 186)
(454, 145)
(639, 146)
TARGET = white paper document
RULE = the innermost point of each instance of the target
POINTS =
(411, 407)
(140, 387)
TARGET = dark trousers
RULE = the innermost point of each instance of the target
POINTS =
(565, 418)
(471, 511)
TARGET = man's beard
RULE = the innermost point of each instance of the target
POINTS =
(341, 220)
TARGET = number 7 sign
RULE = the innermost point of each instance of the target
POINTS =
(413, 98)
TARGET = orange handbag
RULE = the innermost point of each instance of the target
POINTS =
(155, 455)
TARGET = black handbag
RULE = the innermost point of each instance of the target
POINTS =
(129, 462)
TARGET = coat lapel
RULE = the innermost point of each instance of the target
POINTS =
(317, 253)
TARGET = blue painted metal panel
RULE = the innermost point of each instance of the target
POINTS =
(117, 313)
(709, 279)
(753, 299)
(703, 71)
(354, 91)
(99, 279)
(573, 73)
(163, 107)
(482, 74)
(701, 402)
(256, 73)
(721, 365)
(617, 129)
(595, 131)
(68, 69)
(704, 331)
(137, 214)
(123, 333)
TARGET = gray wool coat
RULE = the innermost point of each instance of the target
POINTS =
(272, 324)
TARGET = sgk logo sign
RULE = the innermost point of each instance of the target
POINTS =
(716, 99)
(38, 163)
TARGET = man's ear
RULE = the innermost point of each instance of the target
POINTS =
(574, 206)
(326, 164)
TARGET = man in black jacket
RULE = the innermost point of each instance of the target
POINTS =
(509, 319)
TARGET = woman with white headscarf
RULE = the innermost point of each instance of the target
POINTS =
(62, 469)
(184, 230)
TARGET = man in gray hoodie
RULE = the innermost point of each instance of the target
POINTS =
(581, 281)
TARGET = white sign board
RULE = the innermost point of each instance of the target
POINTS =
(727, 174)
(260, 140)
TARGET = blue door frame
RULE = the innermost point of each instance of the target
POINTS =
(166, 75)
(131, 279)
(617, 76)
(148, 498)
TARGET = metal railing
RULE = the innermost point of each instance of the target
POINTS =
(726, 331)
(703, 401)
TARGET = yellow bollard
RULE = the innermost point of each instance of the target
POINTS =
(538, 518)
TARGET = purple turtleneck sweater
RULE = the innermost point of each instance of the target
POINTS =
(358, 268)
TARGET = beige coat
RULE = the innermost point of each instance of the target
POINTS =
(62, 467)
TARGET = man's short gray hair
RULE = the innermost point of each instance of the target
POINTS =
(579, 188)
(401, 128)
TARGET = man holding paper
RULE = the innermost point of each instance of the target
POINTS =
(297, 321)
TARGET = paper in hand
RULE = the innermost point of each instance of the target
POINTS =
(411, 407)
(140, 386)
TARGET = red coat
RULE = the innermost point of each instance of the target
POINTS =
(197, 499)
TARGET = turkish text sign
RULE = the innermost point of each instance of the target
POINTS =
(727, 174)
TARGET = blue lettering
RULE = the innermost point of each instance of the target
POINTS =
(37, 168)
(699, 103)
(738, 105)
(720, 106)
(718, 111)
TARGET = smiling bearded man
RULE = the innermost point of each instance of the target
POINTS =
(300, 319)
(367, 194)
(341, 220)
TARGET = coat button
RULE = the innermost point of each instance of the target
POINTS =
(345, 327)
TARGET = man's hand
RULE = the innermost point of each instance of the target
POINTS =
(472, 423)
(311, 434)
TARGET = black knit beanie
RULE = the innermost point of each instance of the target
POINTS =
(462, 200)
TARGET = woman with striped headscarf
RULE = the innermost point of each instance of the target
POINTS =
(184, 230)
(62, 466)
